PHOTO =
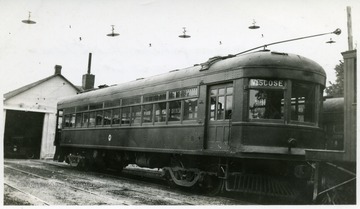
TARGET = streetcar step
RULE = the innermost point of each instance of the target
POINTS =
(258, 184)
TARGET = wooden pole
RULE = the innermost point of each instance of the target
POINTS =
(349, 26)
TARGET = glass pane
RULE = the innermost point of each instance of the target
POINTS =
(60, 119)
(228, 108)
(92, 119)
(160, 112)
(136, 114)
(78, 119)
(174, 111)
(132, 100)
(183, 93)
(190, 109)
(72, 120)
(266, 104)
(67, 121)
(303, 102)
(112, 103)
(220, 108)
(81, 108)
(69, 110)
(96, 106)
(212, 108)
(107, 117)
(147, 113)
(99, 118)
(116, 116)
(125, 115)
(222, 91)
(85, 121)
(213, 92)
(229, 90)
(155, 97)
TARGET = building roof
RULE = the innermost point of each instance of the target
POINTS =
(31, 85)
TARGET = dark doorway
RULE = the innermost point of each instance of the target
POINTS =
(23, 133)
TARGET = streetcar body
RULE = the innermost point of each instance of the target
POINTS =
(260, 110)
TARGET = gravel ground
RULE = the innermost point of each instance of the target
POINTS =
(36, 182)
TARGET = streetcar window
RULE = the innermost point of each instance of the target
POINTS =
(96, 106)
(78, 119)
(107, 117)
(147, 113)
(91, 119)
(72, 120)
(125, 115)
(221, 100)
(266, 104)
(190, 109)
(112, 103)
(155, 97)
(85, 119)
(160, 112)
(60, 119)
(69, 110)
(228, 108)
(212, 108)
(131, 100)
(67, 121)
(303, 102)
(135, 114)
(82, 108)
(99, 118)
(220, 107)
(174, 111)
(190, 92)
(116, 116)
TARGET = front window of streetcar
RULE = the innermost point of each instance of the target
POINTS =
(266, 104)
(280, 100)
(303, 102)
(266, 99)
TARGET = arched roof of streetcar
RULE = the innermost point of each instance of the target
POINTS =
(259, 59)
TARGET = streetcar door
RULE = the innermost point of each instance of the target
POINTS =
(220, 102)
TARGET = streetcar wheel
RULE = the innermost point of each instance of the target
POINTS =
(73, 160)
(183, 177)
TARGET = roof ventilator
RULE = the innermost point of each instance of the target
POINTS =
(206, 65)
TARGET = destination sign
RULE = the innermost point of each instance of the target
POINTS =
(266, 83)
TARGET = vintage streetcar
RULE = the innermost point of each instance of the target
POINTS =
(239, 123)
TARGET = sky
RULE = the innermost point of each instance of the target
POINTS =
(67, 31)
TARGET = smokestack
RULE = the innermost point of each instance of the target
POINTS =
(89, 64)
(58, 69)
(88, 80)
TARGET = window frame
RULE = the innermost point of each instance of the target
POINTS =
(287, 92)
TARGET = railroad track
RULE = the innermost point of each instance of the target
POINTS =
(129, 193)
(27, 194)
(70, 186)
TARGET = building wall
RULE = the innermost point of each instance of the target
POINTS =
(43, 98)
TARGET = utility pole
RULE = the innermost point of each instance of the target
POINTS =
(349, 26)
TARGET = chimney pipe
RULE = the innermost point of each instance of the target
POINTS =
(88, 80)
(58, 69)
(89, 64)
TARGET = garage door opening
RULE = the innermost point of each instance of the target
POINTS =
(23, 133)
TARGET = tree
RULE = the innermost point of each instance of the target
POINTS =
(337, 89)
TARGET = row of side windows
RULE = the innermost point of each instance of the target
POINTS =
(161, 112)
